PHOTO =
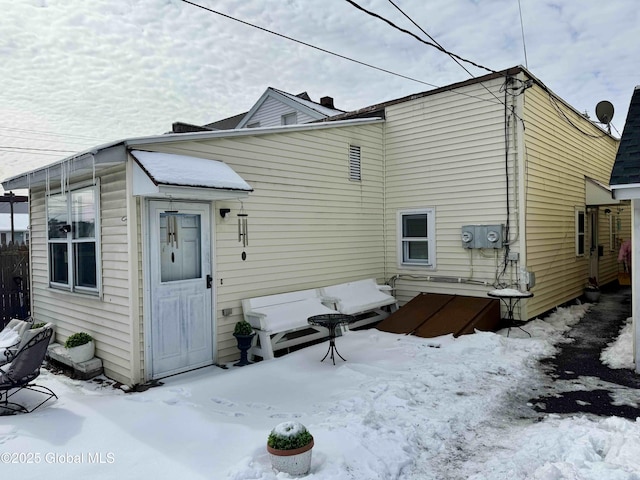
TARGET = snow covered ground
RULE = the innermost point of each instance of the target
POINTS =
(399, 408)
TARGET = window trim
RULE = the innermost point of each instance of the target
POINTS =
(580, 236)
(430, 212)
(293, 115)
(613, 232)
(70, 242)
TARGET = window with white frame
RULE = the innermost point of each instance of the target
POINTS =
(614, 228)
(580, 231)
(289, 118)
(416, 237)
(72, 225)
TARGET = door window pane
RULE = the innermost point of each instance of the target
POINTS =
(180, 250)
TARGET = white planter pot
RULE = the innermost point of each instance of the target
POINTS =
(82, 353)
(293, 462)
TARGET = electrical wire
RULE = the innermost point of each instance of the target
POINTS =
(24, 130)
(434, 45)
(31, 153)
(36, 149)
(440, 47)
(565, 117)
(344, 57)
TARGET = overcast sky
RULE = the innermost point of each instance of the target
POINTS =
(78, 73)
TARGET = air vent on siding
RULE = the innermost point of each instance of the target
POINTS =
(354, 163)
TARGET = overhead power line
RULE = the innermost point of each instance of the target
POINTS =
(344, 57)
(41, 132)
(434, 45)
(36, 149)
(31, 153)
(430, 37)
(309, 45)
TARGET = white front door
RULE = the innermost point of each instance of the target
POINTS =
(181, 321)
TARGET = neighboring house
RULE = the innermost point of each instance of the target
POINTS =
(137, 241)
(272, 109)
(18, 208)
(625, 183)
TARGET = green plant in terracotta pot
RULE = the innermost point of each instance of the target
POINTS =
(289, 446)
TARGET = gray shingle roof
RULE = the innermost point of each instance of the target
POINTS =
(626, 169)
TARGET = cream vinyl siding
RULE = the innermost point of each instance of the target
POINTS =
(558, 157)
(609, 266)
(270, 114)
(447, 152)
(106, 318)
(308, 224)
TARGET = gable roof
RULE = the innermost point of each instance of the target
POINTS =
(299, 103)
(626, 169)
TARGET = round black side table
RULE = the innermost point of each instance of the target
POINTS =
(331, 321)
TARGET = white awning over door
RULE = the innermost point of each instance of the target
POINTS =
(170, 174)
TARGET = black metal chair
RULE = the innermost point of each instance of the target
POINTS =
(22, 371)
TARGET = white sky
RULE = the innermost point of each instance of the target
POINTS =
(77, 74)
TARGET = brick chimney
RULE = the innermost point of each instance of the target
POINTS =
(327, 102)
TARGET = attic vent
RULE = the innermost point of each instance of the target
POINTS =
(354, 163)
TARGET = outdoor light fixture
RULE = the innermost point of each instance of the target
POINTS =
(224, 211)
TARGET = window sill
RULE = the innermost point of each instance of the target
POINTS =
(76, 293)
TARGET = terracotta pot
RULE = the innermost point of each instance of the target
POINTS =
(293, 462)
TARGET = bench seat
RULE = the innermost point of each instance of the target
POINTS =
(280, 319)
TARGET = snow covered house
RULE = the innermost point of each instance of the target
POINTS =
(445, 191)
(625, 183)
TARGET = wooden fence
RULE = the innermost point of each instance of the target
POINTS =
(14, 283)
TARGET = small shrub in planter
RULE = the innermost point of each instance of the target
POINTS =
(80, 347)
(244, 334)
(78, 339)
(289, 446)
(243, 328)
(37, 325)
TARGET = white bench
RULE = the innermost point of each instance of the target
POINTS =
(364, 299)
(280, 319)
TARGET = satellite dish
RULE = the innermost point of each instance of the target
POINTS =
(604, 112)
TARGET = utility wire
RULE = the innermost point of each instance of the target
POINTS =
(434, 45)
(440, 47)
(36, 149)
(344, 57)
(24, 130)
(309, 45)
(31, 153)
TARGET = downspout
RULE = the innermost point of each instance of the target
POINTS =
(385, 246)
(635, 267)
(134, 275)
(521, 192)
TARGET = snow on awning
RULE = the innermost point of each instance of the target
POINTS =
(165, 173)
